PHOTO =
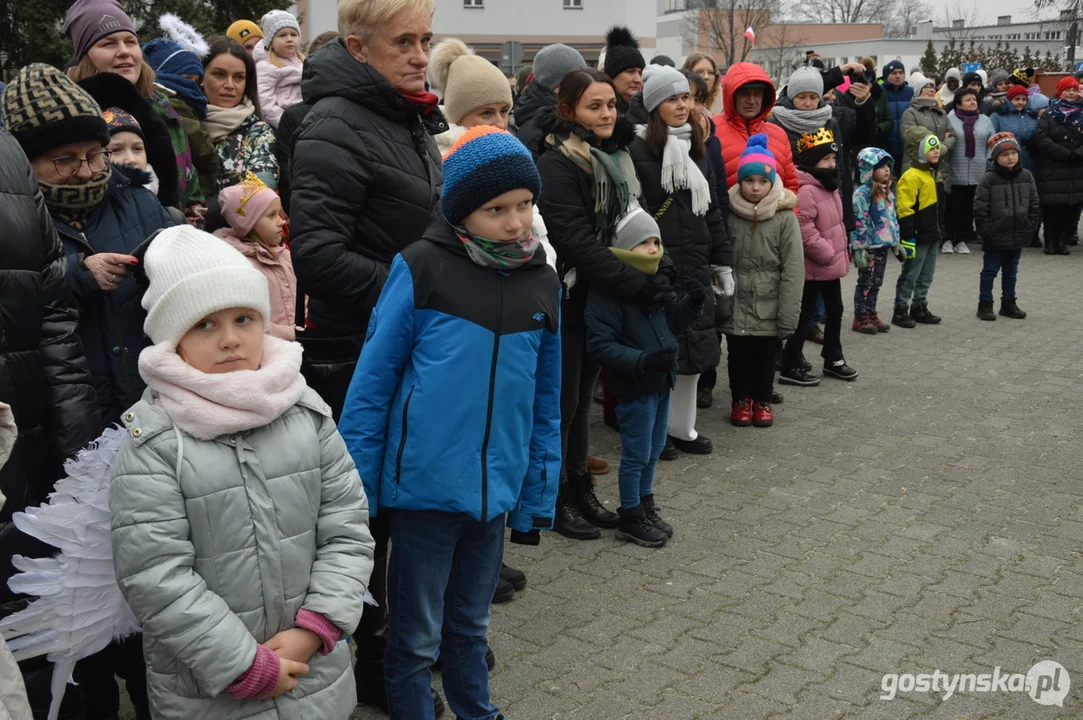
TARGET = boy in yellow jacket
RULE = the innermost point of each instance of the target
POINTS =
(918, 228)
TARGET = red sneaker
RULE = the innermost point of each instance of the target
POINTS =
(762, 415)
(741, 416)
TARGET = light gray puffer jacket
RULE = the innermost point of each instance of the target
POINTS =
(258, 526)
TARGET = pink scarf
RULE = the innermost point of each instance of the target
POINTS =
(209, 406)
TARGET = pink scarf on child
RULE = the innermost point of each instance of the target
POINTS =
(207, 406)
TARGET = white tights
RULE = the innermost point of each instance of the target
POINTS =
(682, 408)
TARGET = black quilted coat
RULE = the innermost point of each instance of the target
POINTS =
(1059, 163)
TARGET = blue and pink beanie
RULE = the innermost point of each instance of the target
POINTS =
(484, 163)
(757, 159)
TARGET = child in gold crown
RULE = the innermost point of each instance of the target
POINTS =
(823, 234)
(254, 214)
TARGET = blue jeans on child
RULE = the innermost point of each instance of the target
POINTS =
(441, 579)
(643, 424)
(995, 261)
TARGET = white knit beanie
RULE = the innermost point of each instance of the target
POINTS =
(194, 274)
(660, 83)
(274, 21)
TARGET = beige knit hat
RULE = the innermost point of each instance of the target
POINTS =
(192, 275)
(468, 81)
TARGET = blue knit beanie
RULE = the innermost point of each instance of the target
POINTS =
(166, 56)
(757, 159)
(484, 163)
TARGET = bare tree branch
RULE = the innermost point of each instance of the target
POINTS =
(904, 17)
(723, 22)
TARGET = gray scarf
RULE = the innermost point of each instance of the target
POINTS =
(802, 121)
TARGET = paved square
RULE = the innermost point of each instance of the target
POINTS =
(927, 516)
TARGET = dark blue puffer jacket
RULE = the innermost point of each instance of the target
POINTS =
(111, 324)
(898, 99)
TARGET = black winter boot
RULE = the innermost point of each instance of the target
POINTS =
(902, 317)
(636, 527)
(920, 313)
(1009, 309)
(985, 310)
(569, 522)
(651, 512)
(590, 507)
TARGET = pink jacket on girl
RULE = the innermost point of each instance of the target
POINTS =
(278, 269)
(279, 87)
(823, 233)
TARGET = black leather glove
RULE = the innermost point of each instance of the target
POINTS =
(531, 537)
(660, 361)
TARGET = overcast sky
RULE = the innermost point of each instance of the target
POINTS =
(986, 11)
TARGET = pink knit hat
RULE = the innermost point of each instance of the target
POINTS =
(243, 205)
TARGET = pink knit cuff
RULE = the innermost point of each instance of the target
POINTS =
(257, 680)
(317, 623)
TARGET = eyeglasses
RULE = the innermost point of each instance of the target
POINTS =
(69, 166)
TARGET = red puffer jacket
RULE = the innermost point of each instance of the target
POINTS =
(823, 233)
(733, 131)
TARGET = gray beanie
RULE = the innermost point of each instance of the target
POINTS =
(805, 79)
(634, 228)
(661, 82)
(553, 62)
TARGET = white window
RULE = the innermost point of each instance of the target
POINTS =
(573, 4)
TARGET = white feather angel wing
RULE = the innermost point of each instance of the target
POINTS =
(79, 608)
(184, 35)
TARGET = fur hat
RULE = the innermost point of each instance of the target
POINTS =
(661, 83)
(635, 228)
(88, 21)
(242, 205)
(468, 81)
(1000, 142)
(621, 52)
(276, 21)
(805, 79)
(757, 159)
(555, 61)
(193, 274)
(43, 108)
(484, 163)
(813, 147)
(243, 30)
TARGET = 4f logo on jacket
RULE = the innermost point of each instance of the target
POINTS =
(540, 316)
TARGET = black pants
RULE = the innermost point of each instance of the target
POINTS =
(371, 632)
(751, 362)
(579, 373)
(100, 690)
(960, 215)
(1060, 223)
(709, 377)
(831, 292)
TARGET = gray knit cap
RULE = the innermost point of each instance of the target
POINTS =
(553, 62)
(805, 79)
(634, 228)
(660, 83)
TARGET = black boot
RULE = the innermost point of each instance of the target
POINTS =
(902, 317)
(517, 578)
(1062, 248)
(985, 310)
(590, 507)
(1050, 246)
(636, 527)
(1009, 309)
(505, 592)
(569, 522)
(651, 512)
(919, 312)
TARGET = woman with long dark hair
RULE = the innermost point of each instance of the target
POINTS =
(679, 190)
(245, 144)
(589, 181)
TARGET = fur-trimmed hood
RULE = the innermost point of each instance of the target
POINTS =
(549, 123)
(110, 90)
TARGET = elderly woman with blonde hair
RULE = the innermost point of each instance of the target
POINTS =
(366, 178)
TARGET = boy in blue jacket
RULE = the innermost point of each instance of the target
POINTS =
(637, 347)
(453, 418)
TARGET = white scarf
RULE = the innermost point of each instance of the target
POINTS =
(679, 170)
(208, 406)
(222, 121)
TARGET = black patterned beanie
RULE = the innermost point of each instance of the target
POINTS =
(43, 108)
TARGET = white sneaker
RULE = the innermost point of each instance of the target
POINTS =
(962, 249)
(946, 249)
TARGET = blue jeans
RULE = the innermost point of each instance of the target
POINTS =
(440, 581)
(995, 261)
(643, 424)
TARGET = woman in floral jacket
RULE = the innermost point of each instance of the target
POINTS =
(245, 144)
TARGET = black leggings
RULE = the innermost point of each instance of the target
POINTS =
(579, 374)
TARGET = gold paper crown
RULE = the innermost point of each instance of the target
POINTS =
(823, 136)
(251, 185)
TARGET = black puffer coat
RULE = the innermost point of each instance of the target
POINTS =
(111, 324)
(693, 244)
(43, 372)
(568, 208)
(525, 115)
(1060, 163)
(1006, 208)
(366, 183)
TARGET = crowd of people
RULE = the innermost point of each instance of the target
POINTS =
(364, 294)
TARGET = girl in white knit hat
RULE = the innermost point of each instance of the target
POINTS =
(239, 523)
(279, 62)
